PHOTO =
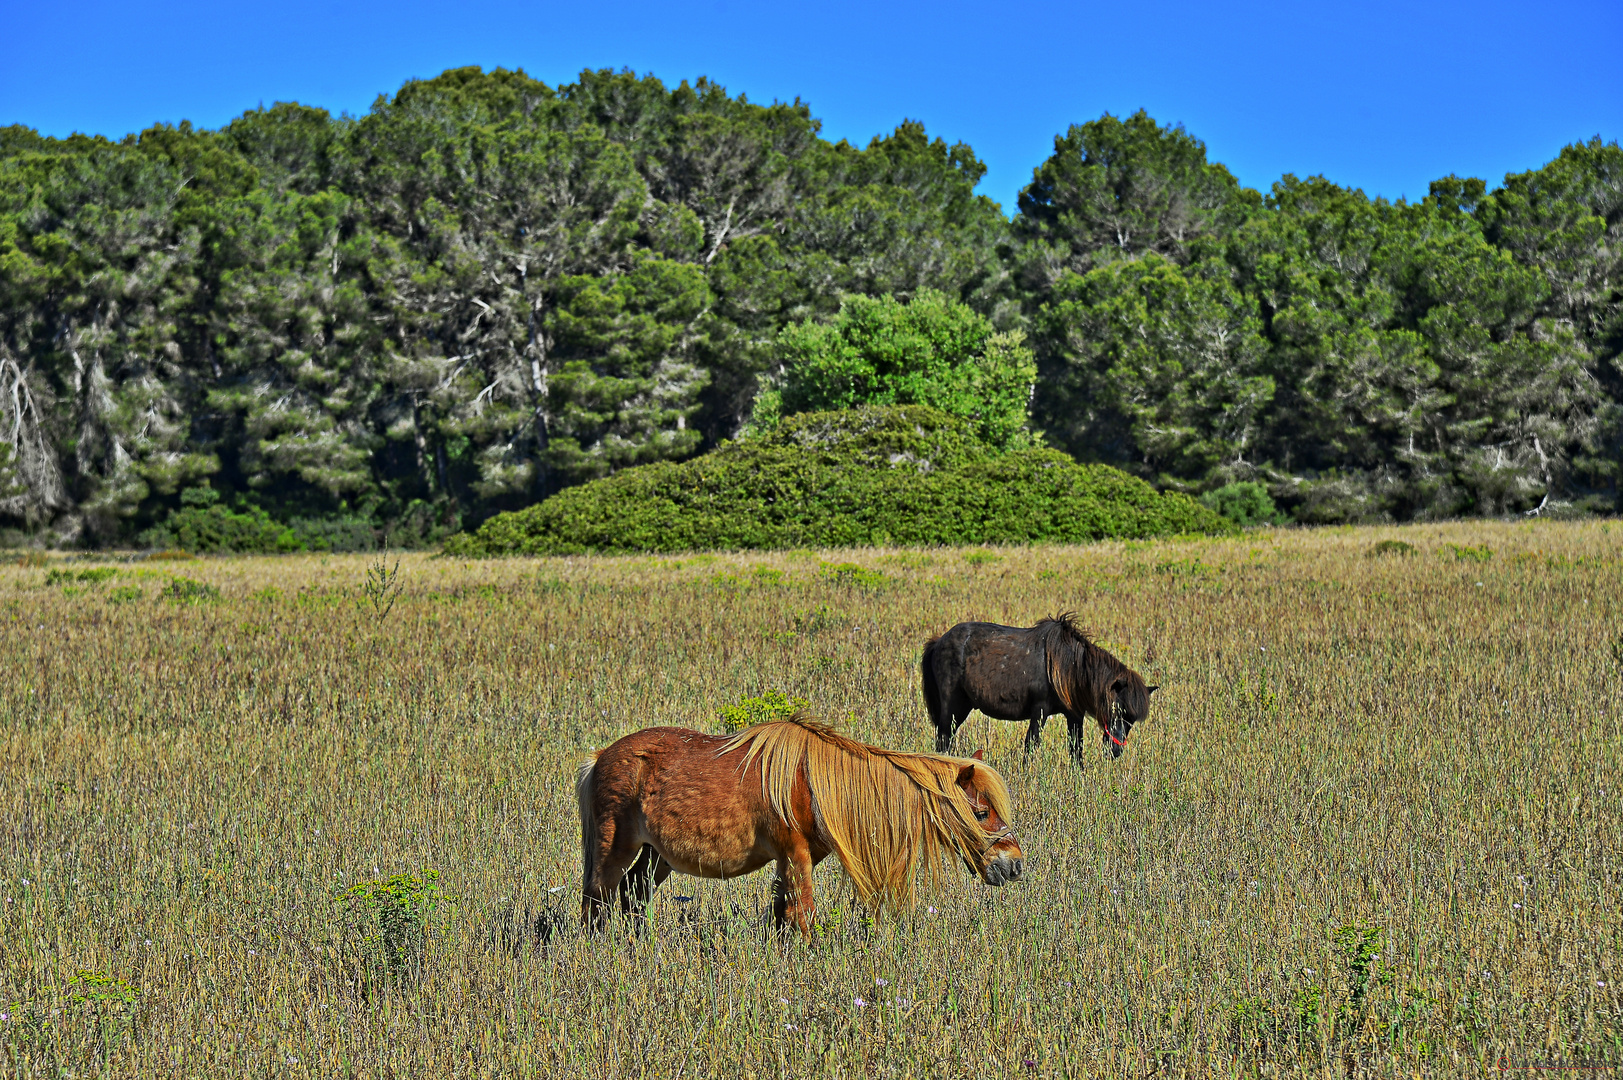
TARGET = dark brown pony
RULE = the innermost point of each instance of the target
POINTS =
(790, 792)
(1030, 673)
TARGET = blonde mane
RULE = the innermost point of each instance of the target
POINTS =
(885, 813)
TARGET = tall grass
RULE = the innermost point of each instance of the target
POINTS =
(1372, 826)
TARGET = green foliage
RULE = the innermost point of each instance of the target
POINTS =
(1392, 547)
(388, 922)
(770, 706)
(181, 590)
(852, 574)
(1368, 361)
(898, 475)
(1243, 502)
(483, 290)
(1468, 553)
(204, 525)
(378, 330)
(95, 575)
(125, 594)
(930, 351)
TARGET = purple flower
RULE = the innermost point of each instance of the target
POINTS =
(861, 1004)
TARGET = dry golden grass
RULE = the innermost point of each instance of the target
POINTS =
(1424, 748)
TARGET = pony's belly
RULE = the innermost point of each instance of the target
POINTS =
(711, 855)
(708, 865)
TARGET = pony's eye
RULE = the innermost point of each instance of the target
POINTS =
(982, 815)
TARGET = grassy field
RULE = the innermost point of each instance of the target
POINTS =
(1371, 828)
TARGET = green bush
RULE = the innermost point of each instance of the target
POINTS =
(1245, 503)
(772, 705)
(933, 351)
(878, 475)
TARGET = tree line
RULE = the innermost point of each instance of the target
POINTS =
(488, 289)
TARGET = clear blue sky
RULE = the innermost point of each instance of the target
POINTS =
(1385, 97)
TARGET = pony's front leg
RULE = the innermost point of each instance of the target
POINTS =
(1077, 730)
(792, 901)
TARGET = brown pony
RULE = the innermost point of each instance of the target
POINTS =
(1030, 673)
(790, 792)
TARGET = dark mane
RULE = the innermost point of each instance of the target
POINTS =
(1082, 671)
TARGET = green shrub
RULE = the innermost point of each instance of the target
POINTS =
(772, 705)
(1392, 547)
(895, 475)
(1467, 553)
(1245, 503)
(203, 524)
(124, 594)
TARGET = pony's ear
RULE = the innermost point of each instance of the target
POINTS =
(979, 755)
(966, 776)
(1152, 689)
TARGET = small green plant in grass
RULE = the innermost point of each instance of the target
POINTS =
(382, 587)
(1391, 547)
(1360, 949)
(107, 1004)
(124, 594)
(772, 705)
(389, 920)
(853, 574)
(182, 590)
(981, 558)
(1467, 553)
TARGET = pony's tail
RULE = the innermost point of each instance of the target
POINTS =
(932, 692)
(585, 795)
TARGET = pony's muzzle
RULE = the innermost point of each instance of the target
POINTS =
(1002, 869)
(1115, 740)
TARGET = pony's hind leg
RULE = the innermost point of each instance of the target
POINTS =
(617, 849)
(1034, 731)
(954, 711)
(637, 887)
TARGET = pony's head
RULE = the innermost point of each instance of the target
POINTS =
(1091, 680)
(1129, 705)
(1001, 859)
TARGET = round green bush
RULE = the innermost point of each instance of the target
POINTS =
(878, 475)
